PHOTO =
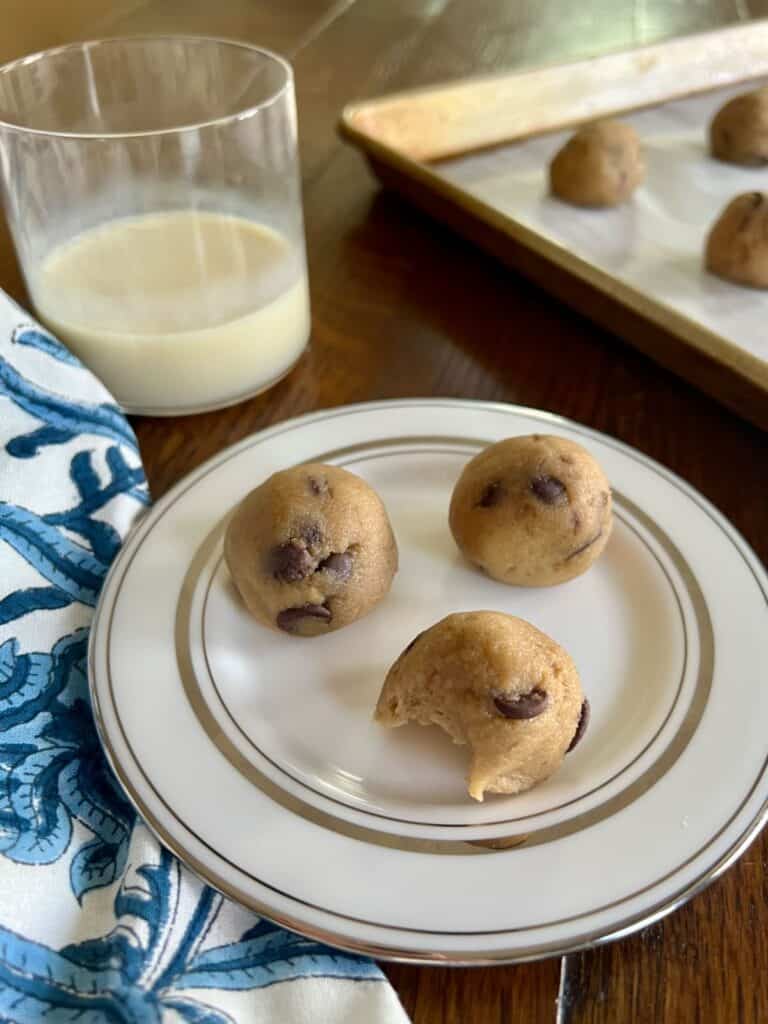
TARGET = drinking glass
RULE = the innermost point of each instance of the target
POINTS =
(151, 186)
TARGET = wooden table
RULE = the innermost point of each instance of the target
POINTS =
(402, 307)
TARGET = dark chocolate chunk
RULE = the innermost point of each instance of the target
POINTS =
(339, 564)
(290, 562)
(581, 727)
(290, 619)
(526, 705)
(493, 494)
(550, 490)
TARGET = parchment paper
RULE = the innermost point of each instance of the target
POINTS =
(655, 242)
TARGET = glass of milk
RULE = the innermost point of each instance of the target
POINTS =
(151, 185)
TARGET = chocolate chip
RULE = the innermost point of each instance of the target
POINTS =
(550, 490)
(318, 486)
(311, 534)
(493, 494)
(526, 705)
(756, 200)
(339, 564)
(290, 562)
(290, 619)
(581, 727)
(413, 642)
(583, 548)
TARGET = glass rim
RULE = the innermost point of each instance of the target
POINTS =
(91, 44)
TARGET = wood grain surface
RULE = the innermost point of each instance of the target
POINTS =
(401, 307)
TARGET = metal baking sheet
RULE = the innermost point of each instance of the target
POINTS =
(654, 243)
(475, 154)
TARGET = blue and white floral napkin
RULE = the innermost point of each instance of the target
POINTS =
(98, 923)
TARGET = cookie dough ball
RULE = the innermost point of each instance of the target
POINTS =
(738, 133)
(601, 165)
(498, 684)
(737, 246)
(532, 511)
(311, 550)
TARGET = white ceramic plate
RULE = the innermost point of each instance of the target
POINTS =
(254, 757)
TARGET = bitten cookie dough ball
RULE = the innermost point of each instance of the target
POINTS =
(737, 246)
(601, 165)
(498, 684)
(311, 550)
(738, 133)
(532, 511)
